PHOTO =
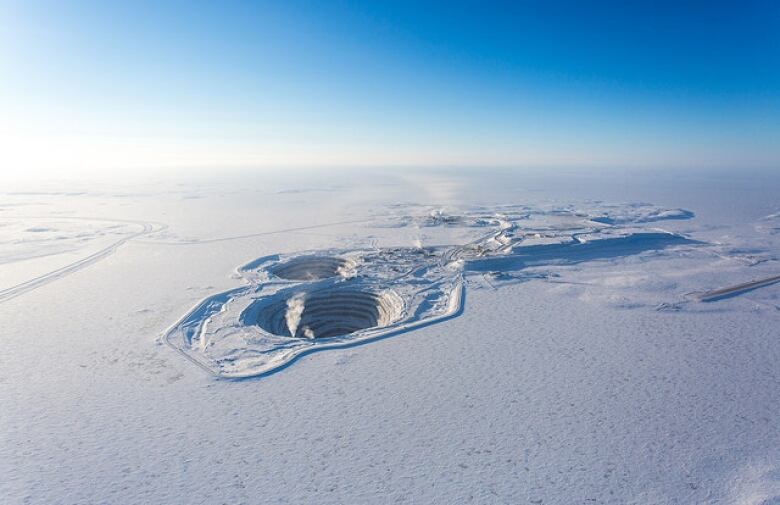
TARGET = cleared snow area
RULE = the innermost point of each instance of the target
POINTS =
(494, 337)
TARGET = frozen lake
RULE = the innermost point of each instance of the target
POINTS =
(487, 337)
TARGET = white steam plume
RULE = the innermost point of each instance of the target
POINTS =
(295, 306)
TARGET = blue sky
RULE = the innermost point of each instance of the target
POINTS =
(109, 85)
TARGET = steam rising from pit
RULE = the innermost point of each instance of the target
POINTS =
(295, 307)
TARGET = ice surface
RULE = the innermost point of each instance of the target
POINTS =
(583, 367)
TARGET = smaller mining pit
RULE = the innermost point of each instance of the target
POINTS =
(309, 268)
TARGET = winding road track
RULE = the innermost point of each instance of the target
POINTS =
(146, 229)
(41, 280)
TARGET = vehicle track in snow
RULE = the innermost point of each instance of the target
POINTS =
(42, 280)
(148, 227)
(258, 234)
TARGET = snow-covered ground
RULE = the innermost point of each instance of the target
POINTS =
(606, 347)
